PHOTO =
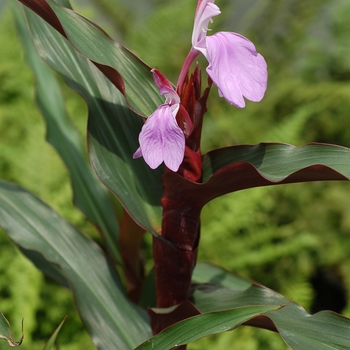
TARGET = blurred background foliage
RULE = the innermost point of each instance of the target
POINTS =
(294, 239)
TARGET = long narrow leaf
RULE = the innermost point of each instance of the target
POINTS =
(126, 71)
(240, 167)
(51, 342)
(46, 267)
(197, 327)
(113, 128)
(276, 161)
(209, 297)
(110, 318)
(89, 194)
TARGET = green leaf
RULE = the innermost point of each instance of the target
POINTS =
(203, 273)
(52, 340)
(148, 297)
(132, 77)
(210, 298)
(113, 128)
(240, 167)
(92, 42)
(276, 161)
(89, 194)
(300, 330)
(322, 331)
(207, 273)
(110, 318)
(197, 327)
(6, 334)
(46, 267)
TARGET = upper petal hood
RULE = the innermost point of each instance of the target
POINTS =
(206, 9)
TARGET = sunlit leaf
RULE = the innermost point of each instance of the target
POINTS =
(210, 297)
(276, 161)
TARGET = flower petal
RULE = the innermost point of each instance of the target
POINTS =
(161, 139)
(206, 9)
(236, 68)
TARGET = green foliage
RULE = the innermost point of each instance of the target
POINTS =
(277, 236)
(27, 159)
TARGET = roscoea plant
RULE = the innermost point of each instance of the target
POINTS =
(139, 120)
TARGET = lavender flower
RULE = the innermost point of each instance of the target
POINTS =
(161, 139)
(234, 65)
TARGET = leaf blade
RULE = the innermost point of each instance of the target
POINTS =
(51, 342)
(276, 161)
(89, 195)
(241, 167)
(322, 331)
(113, 128)
(109, 316)
(207, 273)
(196, 327)
(125, 70)
(6, 334)
(300, 330)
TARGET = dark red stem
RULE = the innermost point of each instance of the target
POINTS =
(174, 266)
(174, 263)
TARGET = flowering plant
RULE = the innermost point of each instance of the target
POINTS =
(131, 132)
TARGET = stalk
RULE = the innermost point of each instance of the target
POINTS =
(175, 262)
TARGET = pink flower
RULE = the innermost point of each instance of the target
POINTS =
(161, 139)
(234, 65)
